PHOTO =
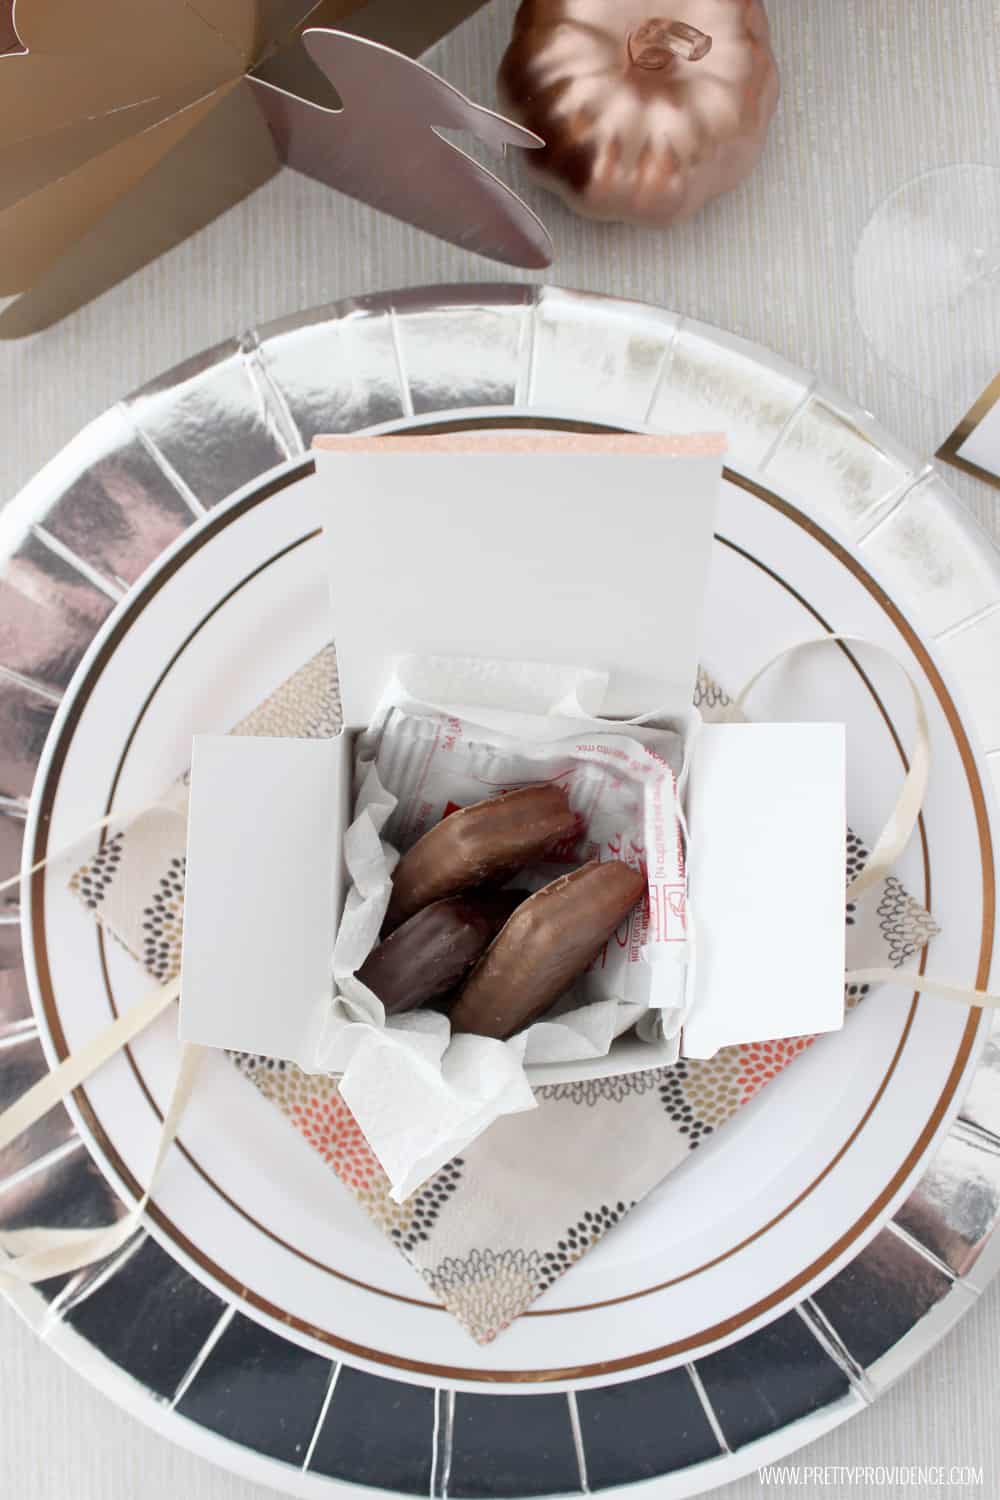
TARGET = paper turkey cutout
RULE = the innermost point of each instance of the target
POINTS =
(390, 155)
(94, 96)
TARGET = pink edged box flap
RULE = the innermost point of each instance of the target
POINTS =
(587, 550)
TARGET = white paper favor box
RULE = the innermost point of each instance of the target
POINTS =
(588, 552)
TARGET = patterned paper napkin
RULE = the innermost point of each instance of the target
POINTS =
(486, 1236)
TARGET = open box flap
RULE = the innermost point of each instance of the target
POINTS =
(577, 550)
(766, 879)
(264, 891)
(265, 885)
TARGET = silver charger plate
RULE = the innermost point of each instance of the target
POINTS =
(193, 1357)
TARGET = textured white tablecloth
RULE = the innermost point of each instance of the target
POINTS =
(875, 91)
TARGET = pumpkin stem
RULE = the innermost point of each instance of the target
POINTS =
(658, 43)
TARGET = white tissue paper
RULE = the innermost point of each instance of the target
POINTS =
(449, 733)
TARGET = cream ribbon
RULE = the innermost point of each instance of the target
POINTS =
(112, 817)
(973, 999)
(40, 1253)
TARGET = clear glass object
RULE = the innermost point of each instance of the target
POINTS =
(927, 281)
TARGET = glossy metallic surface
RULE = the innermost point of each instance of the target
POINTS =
(645, 117)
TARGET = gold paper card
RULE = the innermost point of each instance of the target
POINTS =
(974, 446)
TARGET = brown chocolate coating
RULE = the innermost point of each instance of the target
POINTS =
(545, 945)
(483, 844)
(430, 953)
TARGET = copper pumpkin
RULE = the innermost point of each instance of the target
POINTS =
(645, 117)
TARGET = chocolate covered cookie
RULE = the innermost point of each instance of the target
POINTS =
(432, 951)
(546, 944)
(486, 843)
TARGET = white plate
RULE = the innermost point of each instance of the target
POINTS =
(807, 1175)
